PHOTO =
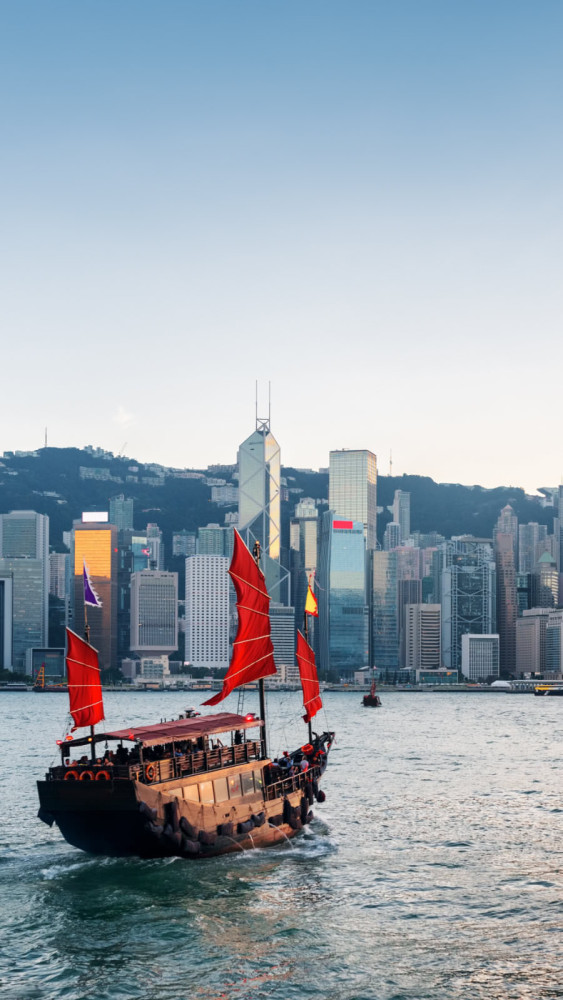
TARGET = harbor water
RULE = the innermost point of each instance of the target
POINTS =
(433, 870)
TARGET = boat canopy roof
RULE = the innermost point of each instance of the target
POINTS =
(183, 729)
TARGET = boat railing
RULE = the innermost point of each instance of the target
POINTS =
(167, 768)
(277, 789)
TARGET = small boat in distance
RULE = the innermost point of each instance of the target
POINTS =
(372, 700)
(40, 684)
(195, 786)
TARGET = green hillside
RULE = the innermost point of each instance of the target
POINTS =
(50, 483)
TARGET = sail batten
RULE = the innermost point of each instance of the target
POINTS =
(253, 652)
(312, 701)
(84, 684)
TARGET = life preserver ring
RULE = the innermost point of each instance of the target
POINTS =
(87, 776)
(71, 776)
(150, 772)
(308, 748)
(103, 776)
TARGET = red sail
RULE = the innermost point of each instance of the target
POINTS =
(84, 686)
(253, 653)
(309, 680)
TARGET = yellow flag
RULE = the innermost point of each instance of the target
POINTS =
(311, 605)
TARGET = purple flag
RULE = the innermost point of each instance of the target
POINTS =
(90, 595)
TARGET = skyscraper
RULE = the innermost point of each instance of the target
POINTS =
(121, 512)
(215, 540)
(304, 552)
(154, 612)
(507, 524)
(531, 630)
(529, 536)
(422, 636)
(6, 613)
(507, 601)
(391, 536)
(156, 546)
(207, 611)
(554, 644)
(480, 657)
(343, 605)
(259, 505)
(95, 543)
(468, 589)
(545, 583)
(352, 490)
(402, 512)
(384, 625)
(24, 556)
(282, 622)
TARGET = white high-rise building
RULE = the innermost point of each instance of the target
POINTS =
(207, 611)
(282, 622)
(154, 612)
(259, 504)
(422, 636)
(480, 656)
(352, 490)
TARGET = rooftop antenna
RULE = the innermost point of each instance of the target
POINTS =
(390, 462)
(45, 437)
(256, 401)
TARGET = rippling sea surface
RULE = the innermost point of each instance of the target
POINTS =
(433, 869)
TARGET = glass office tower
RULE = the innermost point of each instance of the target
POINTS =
(259, 467)
(384, 623)
(154, 612)
(352, 489)
(96, 544)
(343, 606)
(468, 588)
(24, 535)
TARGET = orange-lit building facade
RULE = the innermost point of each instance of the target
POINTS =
(96, 544)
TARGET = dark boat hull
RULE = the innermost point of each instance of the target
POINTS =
(371, 701)
(127, 818)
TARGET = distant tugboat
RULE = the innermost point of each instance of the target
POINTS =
(196, 786)
(372, 700)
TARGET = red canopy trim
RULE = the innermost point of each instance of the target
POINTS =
(312, 702)
(253, 652)
(84, 685)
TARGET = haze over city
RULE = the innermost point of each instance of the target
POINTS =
(361, 204)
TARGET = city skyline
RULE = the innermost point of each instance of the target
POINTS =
(359, 203)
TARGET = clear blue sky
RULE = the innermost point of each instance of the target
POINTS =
(361, 202)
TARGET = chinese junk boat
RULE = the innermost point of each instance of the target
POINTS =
(200, 785)
(371, 700)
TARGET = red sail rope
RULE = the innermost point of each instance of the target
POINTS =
(309, 680)
(253, 653)
(84, 686)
